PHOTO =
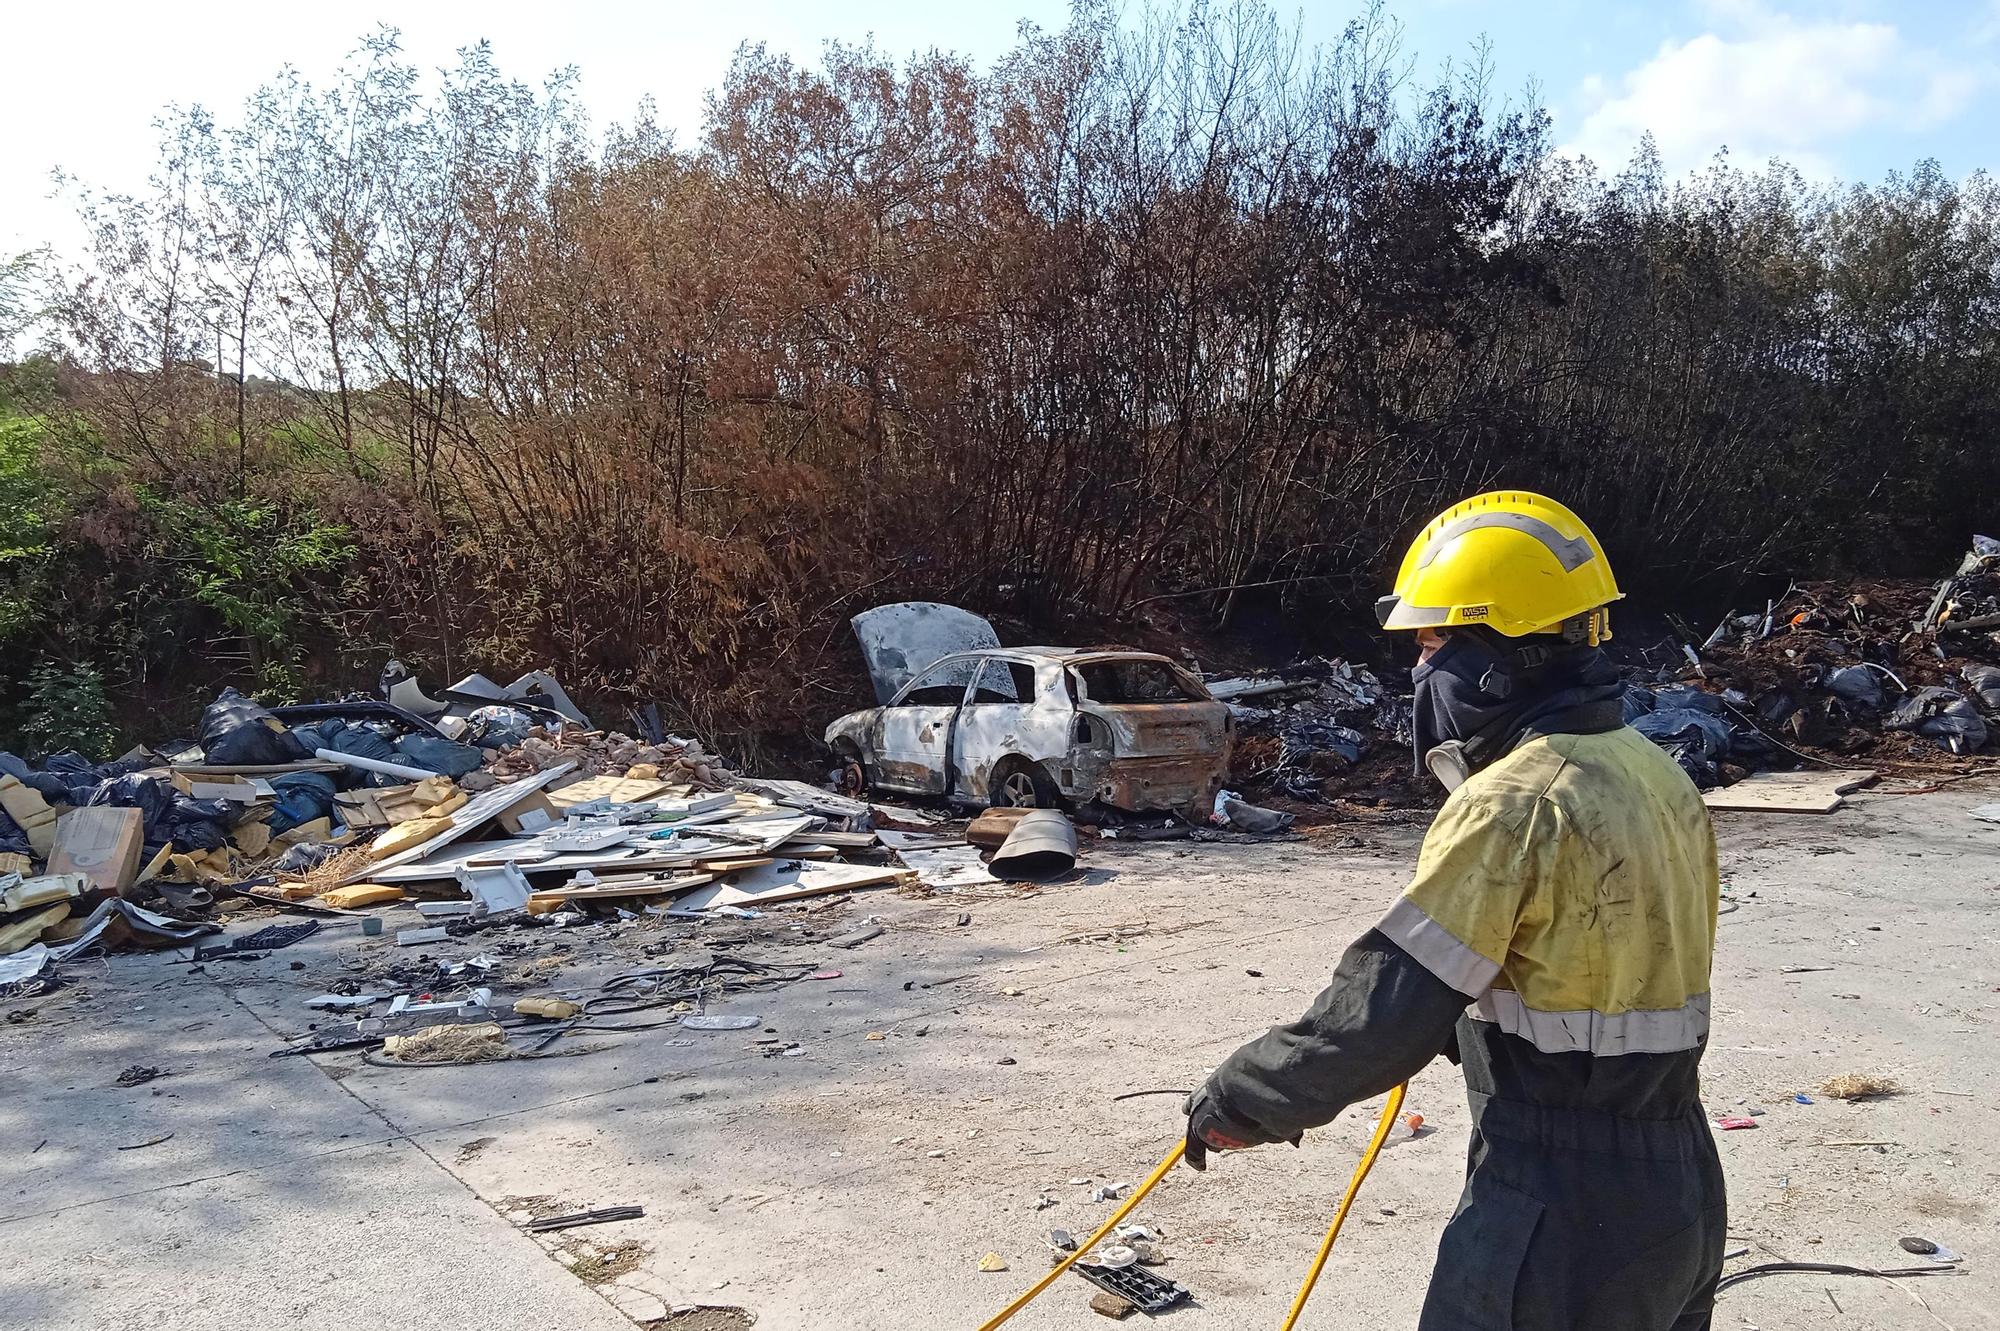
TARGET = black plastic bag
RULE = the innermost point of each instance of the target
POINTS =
(190, 824)
(302, 797)
(305, 856)
(1685, 697)
(237, 732)
(1858, 687)
(1942, 715)
(13, 841)
(438, 755)
(1984, 681)
(498, 726)
(363, 741)
(1697, 740)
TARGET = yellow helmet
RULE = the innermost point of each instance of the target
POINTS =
(1515, 562)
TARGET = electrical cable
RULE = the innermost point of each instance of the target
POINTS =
(1832, 1269)
(1366, 1163)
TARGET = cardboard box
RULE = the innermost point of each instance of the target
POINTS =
(533, 814)
(104, 845)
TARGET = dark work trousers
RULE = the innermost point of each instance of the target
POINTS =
(1578, 1220)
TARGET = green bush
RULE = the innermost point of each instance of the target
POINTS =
(66, 708)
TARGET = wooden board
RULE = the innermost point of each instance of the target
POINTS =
(728, 866)
(447, 866)
(482, 808)
(766, 834)
(948, 866)
(654, 887)
(788, 880)
(1788, 792)
(617, 789)
(842, 840)
(251, 769)
(799, 795)
(895, 840)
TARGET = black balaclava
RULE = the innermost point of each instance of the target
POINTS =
(1479, 695)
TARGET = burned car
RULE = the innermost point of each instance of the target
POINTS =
(1026, 726)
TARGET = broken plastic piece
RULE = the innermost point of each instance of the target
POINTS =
(1148, 1293)
(720, 1021)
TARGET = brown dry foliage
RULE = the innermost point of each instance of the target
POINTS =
(1141, 311)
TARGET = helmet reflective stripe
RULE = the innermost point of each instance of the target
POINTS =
(1572, 552)
(1514, 562)
(1414, 617)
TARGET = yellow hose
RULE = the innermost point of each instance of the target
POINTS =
(1138, 1195)
(1382, 1127)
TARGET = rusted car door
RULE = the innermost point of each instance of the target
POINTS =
(1003, 715)
(917, 728)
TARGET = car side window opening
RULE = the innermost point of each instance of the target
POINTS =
(1135, 682)
(1005, 682)
(943, 685)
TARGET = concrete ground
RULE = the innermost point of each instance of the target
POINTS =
(858, 1184)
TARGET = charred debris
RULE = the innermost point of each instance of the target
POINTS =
(432, 819)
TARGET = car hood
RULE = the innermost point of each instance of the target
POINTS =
(899, 641)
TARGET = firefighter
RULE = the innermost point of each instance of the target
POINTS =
(1555, 943)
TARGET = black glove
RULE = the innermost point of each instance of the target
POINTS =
(1211, 1127)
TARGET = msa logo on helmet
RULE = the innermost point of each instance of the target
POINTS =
(1472, 612)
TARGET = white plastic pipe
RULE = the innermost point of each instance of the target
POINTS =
(373, 765)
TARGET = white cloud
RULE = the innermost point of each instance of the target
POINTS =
(1766, 84)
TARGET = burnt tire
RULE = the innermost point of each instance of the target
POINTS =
(853, 775)
(1020, 784)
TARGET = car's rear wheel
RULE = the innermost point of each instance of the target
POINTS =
(1021, 784)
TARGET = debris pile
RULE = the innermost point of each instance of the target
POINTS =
(489, 809)
(1890, 671)
(1321, 730)
(600, 753)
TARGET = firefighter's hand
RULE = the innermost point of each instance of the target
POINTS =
(1211, 1127)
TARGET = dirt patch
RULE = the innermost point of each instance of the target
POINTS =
(602, 1263)
(539, 1206)
(1944, 1206)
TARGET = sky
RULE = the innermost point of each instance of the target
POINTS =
(1847, 89)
